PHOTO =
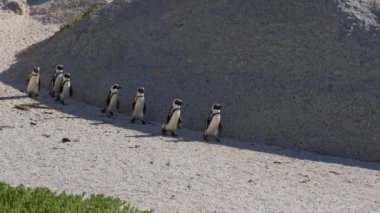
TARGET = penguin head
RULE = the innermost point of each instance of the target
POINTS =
(59, 67)
(36, 69)
(116, 87)
(67, 75)
(177, 102)
(216, 106)
(141, 90)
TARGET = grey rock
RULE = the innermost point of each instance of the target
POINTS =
(60, 11)
(300, 74)
(18, 6)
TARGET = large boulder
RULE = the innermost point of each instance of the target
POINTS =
(60, 11)
(301, 74)
(17, 6)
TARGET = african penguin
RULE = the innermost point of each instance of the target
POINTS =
(173, 119)
(33, 82)
(56, 80)
(65, 89)
(138, 106)
(112, 101)
(213, 123)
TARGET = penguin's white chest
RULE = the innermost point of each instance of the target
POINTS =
(172, 125)
(57, 82)
(113, 102)
(213, 128)
(138, 112)
(33, 84)
(66, 90)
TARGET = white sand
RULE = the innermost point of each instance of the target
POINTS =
(165, 174)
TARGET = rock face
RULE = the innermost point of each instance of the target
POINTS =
(60, 11)
(18, 6)
(300, 74)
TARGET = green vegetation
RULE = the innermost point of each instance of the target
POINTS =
(23, 199)
(77, 19)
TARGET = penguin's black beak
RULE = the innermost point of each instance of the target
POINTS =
(119, 87)
(217, 106)
(179, 103)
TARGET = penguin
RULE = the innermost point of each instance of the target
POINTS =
(56, 80)
(65, 89)
(138, 106)
(33, 82)
(173, 119)
(213, 123)
(112, 101)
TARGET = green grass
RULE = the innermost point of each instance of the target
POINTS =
(22, 199)
(77, 19)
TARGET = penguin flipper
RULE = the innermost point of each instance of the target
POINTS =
(71, 92)
(209, 120)
(117, 104)
(133, 105)
(39, 85)
(51, 84)
(27, 80)
(104, 110)
(52, 81)
(220, 128)
(169, 116)
(179, 123)
(144, 110)
(167, 120)
(61, 87)
(108, 99)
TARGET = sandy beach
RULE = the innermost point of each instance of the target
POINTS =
(137, 164)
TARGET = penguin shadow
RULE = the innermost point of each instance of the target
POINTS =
(15, 97)
(149, 135)
(79, 109)
(178, 139)
(157, 133)
(186, 135)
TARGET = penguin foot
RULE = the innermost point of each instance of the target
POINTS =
(110, 114)
(163, 132)
(30, 94)
(57, 99)
(62, 102)
(217, 139)
(103, 110)
(174, 135)
(132, 120)
(143, 122)
(205, 138)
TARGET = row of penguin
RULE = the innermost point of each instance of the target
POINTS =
(60, 88)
